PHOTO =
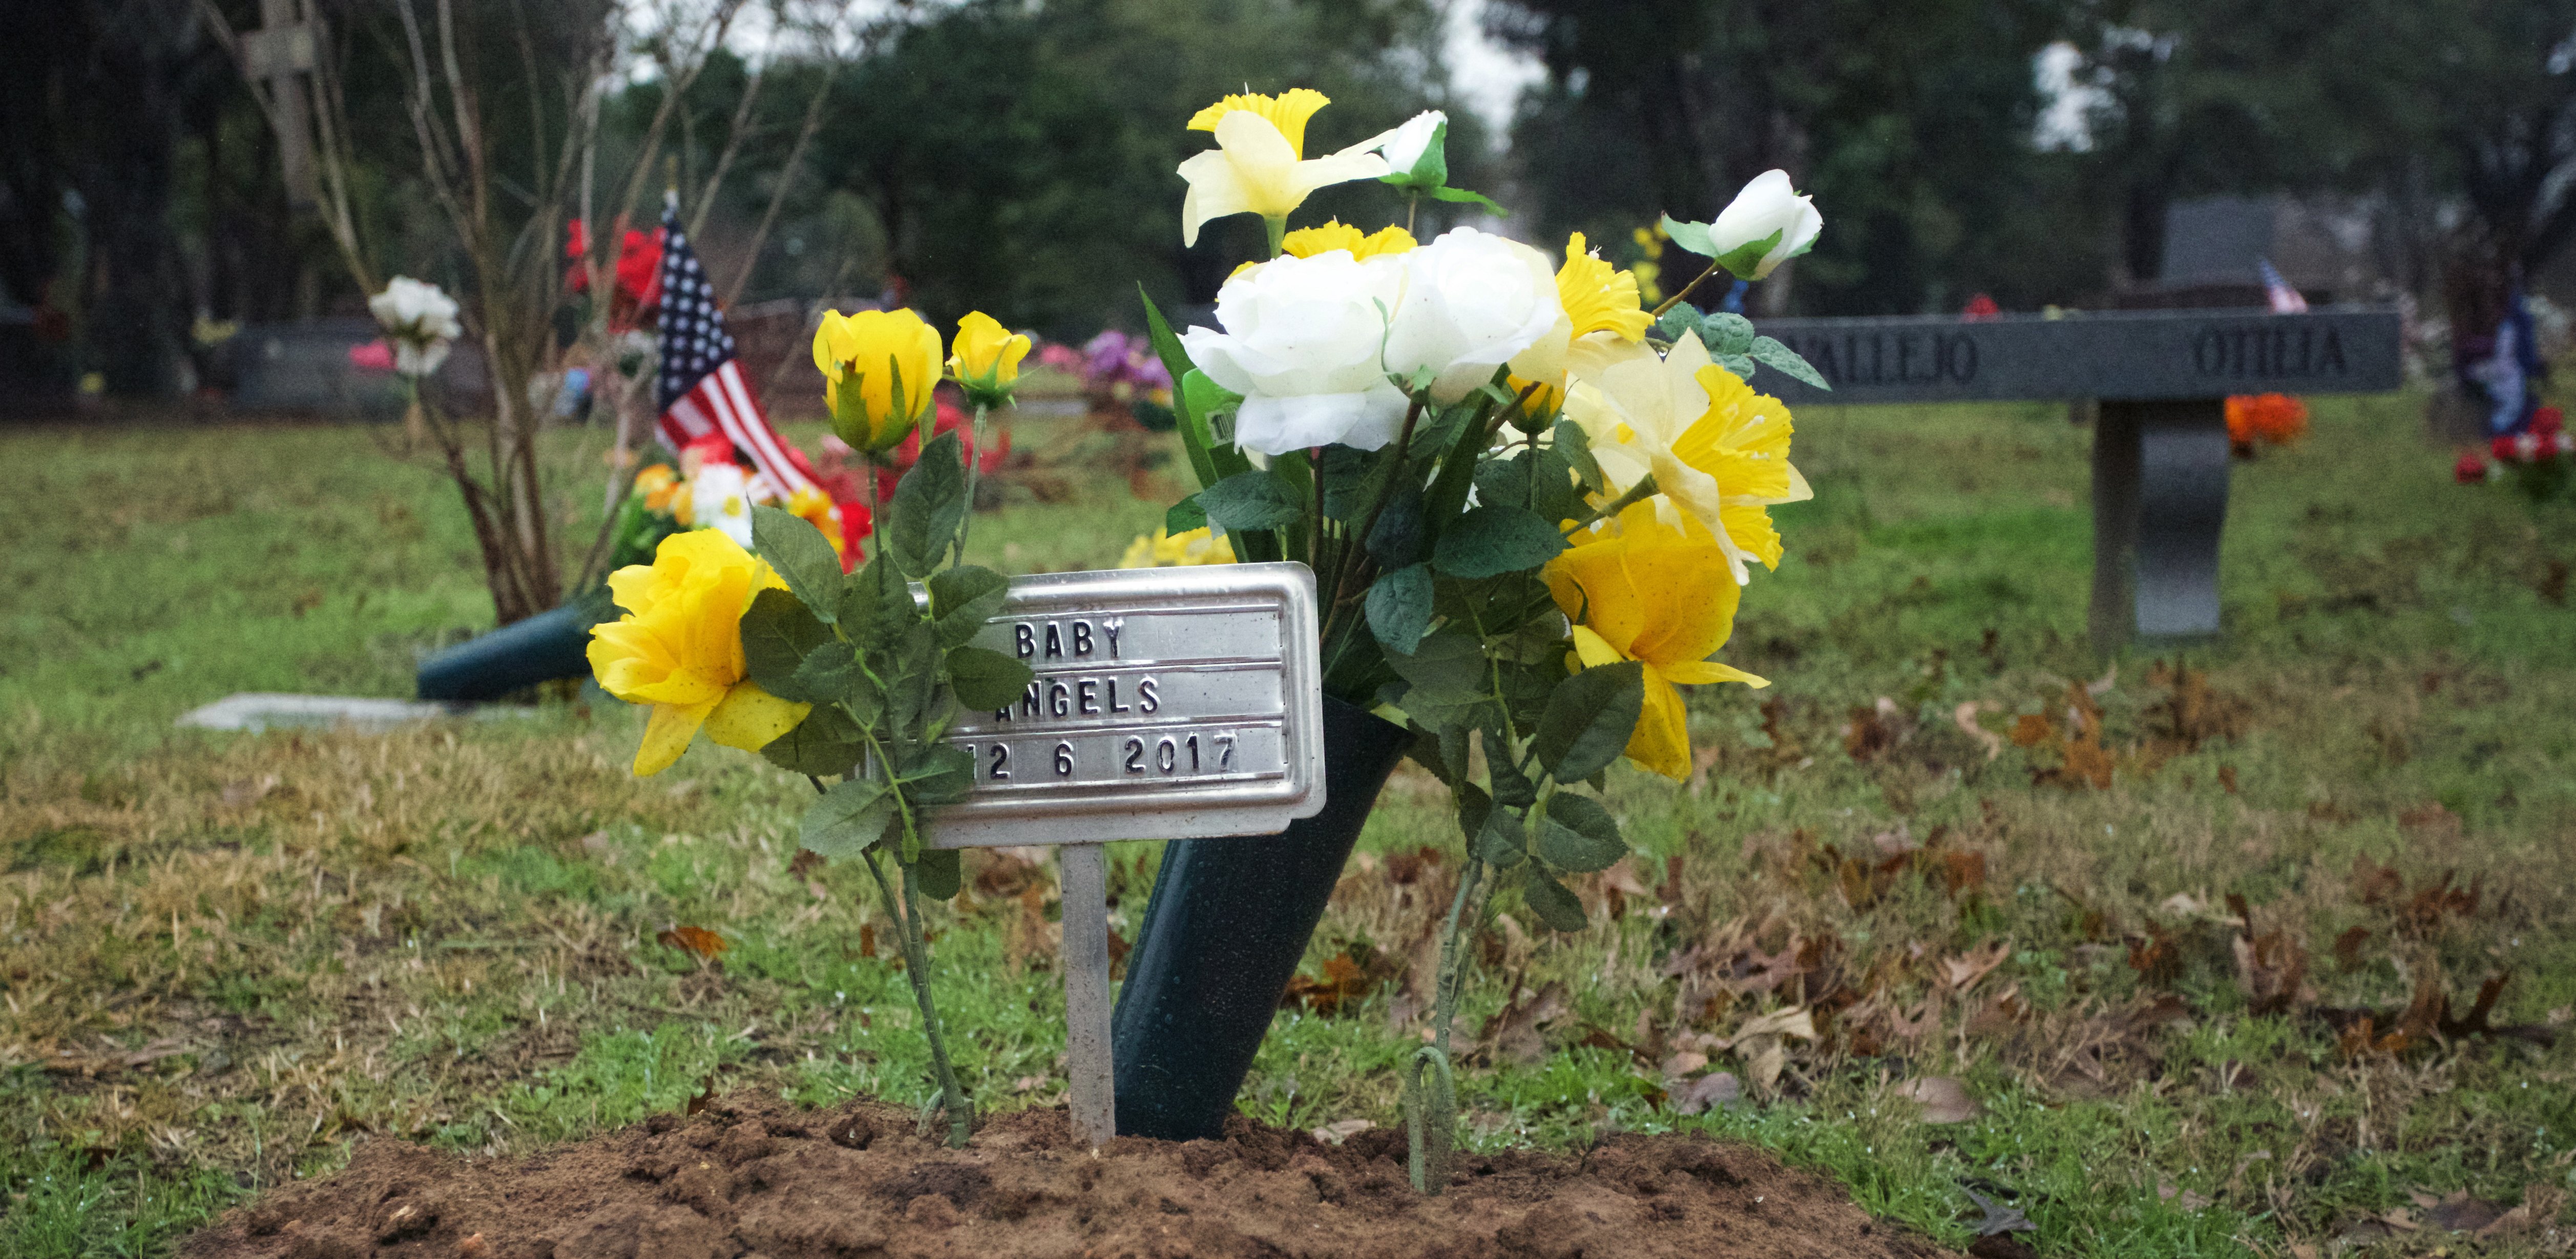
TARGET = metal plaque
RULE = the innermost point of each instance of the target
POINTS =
(1170, 703)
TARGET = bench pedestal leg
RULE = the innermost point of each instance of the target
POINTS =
(2159, 507)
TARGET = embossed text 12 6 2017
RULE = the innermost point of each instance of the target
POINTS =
(1143, 695)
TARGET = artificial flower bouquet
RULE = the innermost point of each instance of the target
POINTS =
(712, 488)
(1121, 378)
(828, 667)
(1531, 505)
(2255, 420)
(2536, 460)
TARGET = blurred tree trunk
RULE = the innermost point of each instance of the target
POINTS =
(139, 308)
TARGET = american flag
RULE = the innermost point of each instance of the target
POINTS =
(702, 391)
(2285, 300)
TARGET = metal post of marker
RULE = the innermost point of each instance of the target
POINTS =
(1180, 703)
(1083, 869)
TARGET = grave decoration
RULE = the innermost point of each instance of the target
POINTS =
(1530, 506)
(2537, 459)
(831, 671)
(2264, 419)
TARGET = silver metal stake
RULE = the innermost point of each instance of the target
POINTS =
(1086, 991)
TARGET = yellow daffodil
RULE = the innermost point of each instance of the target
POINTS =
(679, 648)
(986, 361)
(1306, 242)
(1720, 458)
(1177, 550)
(1600, 303)
(1654, 591)
(879, 368)
(1259, 165)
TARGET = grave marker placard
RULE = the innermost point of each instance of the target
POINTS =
(2160, 449)
(1171, 703)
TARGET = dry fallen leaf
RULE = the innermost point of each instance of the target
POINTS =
(1965, 717)
(698, 940)
(1341, 1130)
(1962, 972)
(1717, 1088)
(1944, 1098)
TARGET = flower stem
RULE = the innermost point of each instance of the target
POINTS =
(916, 967)
(974, 461)
(1278, 229)
(1684, 291)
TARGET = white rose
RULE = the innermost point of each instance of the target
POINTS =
(720, 499)
(420, 320)
(1767, 205)
(1471, 302)
(1404, 146)
(1301, 345)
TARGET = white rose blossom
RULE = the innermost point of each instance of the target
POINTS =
(420, 320)
(1471, 301)
(1404, 146)
(1300, 343)
(1767, 205)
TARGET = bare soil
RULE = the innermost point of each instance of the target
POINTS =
(751, 1177)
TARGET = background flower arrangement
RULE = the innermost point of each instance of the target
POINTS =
(2536, 459)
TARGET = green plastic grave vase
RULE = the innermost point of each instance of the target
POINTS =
(550, 645)
(1222, 935)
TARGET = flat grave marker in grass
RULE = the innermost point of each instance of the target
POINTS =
(1177, 703)
(2160, 448)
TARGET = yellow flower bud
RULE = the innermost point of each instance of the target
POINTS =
(987, 358)
(879, 368)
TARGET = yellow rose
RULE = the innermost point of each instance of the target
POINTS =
(879, 368)
(679, 648)
(1640, 589)
(987, 358)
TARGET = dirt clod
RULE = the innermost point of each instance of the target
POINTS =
(736, 1185)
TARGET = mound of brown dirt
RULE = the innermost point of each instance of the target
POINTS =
(753, 1176)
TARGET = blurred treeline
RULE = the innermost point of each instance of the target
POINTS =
(1017, 155)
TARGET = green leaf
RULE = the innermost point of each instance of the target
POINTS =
(1473, 807)
(1184, 516)
(1579, 835)
(1740, 364)
(1570, 441)
(1476, 198)
(929, 505)
(874, 603)
(1397, 538)
(1690, 236)
(1588, 720)
(826, 742)
(1427, 752)
(802, 556)
(848, 818)
(1206, 397)
(828, 672)
(777, 634)
(987, 679)
(1541, 480)
(1448, 660)
(1725, 332)
(1399, 607)
(1495, 539)
(1771, 353)
(1154, 416)
(1502, 841)
(1250, 500)
(1560, 909)
(1429, 170)
(1196, 437)
(940, 774)
(963, 598)
(1350, 481)
(1511, 786)
(912, 678)
(1683, 317)
(1746, 259)
(937, 875)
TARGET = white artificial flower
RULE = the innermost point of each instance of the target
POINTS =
(420, 321)
(1301, 345)
(1404, 146)
(1767, 205)
(720, 499)
(1258, 169)
(1471, 301)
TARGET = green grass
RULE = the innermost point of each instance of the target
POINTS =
(226, 956)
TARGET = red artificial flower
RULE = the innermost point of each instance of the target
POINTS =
(1980, 308)
(2470, 469)
(2548, 421)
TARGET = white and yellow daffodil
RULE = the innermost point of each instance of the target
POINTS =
(1260, 165)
